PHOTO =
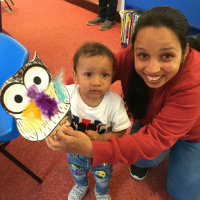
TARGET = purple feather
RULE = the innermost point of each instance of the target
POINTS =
(32, 92)
(47, 105)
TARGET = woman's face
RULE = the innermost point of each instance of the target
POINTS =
(158, 55)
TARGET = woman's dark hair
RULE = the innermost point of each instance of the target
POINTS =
(91, 49)
(136, 96)
(137, 92)
(170, 18)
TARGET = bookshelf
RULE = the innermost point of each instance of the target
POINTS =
(190, 8)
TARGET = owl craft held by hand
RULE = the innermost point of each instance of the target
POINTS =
(38, 103)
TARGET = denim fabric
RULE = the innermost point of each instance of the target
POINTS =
(183, 178)
(80, 165)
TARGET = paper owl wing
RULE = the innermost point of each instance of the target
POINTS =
(37, 102)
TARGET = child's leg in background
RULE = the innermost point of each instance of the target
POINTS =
(79, 166)
(111, 11)
(102, 175)
(103, 8)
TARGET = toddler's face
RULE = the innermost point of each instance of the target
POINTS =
(94, 75)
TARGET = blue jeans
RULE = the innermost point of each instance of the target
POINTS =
(80, 165)
(183, 178)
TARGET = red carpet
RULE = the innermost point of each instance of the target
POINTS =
(55, 29)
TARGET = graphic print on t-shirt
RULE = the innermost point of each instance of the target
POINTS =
(83, 125)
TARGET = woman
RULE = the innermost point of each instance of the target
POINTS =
(160, 77)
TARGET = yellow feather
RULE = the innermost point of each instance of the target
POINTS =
(32, 116)
(50, 91)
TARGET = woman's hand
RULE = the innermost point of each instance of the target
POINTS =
(70, 141)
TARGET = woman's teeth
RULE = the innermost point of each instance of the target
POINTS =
(153, 78)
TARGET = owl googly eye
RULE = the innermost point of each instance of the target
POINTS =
(15, 98)
(37, 76)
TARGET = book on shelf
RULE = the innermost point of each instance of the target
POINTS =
(128, 21)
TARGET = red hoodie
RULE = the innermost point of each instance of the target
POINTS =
(173, 114)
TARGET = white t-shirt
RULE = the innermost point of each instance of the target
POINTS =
(110, 114)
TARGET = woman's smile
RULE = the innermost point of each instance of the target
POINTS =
(154, 79)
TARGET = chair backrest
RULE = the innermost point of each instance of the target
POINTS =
(13, 55)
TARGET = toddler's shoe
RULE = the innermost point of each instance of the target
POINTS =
(77, 192)
(102, 196)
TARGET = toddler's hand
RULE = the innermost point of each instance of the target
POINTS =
(68, 140)
(93, 135)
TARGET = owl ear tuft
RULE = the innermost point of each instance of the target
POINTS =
(36, 57)
(37, 60)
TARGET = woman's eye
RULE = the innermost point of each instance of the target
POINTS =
(142, 56)
(167, 56)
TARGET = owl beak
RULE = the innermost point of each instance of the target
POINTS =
(32, 112)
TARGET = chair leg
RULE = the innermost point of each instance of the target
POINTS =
(8, 5)
(12, 2)
(19, 164)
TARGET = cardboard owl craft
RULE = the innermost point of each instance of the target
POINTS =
(39, 103)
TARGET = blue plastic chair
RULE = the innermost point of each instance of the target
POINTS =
(13, 55)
